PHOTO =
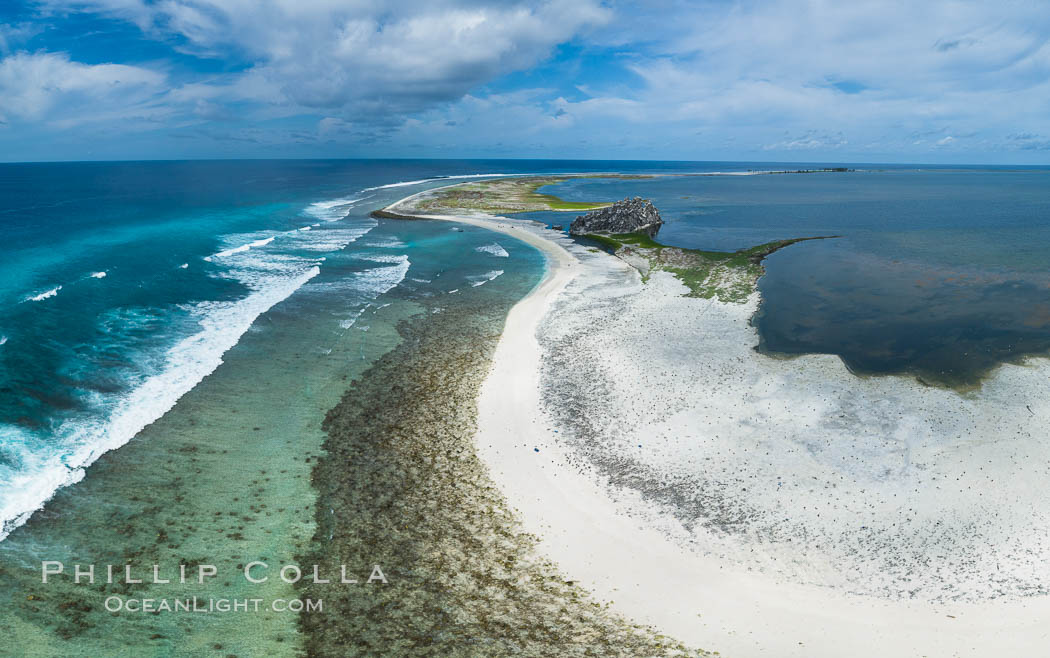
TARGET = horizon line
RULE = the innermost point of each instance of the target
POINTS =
(523, 159)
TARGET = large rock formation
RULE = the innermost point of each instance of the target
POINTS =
(627, 216)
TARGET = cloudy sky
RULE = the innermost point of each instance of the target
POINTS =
(780, 80)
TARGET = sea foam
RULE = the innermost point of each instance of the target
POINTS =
(365, 285)
(244, 247)
(495, 249)
(401, 184)
(270, 275)
(185, 365)
(47, 294)
(432, 179)
(480, 280)
(387, 243)
(334, 209)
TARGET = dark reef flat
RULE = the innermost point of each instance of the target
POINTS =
(401, 485)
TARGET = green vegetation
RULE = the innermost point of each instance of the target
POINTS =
(554, 203)
(610, 244)
(503, 196)
(639, 239)
(729, 276)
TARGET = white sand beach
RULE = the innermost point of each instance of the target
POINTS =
(761, 506)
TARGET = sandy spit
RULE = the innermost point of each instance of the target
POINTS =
(698, 582)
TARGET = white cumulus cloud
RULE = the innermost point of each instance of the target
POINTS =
(41, 85)
(364, 58)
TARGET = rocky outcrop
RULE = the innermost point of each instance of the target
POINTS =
(627, 216)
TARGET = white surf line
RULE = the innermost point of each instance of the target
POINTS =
(494, 249)
(47, 294)
(482, 279)
(579, 174)
(53, 292)
(437, 178)
(242, 248)
(187, 363)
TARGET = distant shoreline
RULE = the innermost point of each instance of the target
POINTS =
(620, 540)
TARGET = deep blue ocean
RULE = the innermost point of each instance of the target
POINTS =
(123, 284)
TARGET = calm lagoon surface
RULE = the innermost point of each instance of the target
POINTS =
(123, 284)
(206, 315)
(941, 273)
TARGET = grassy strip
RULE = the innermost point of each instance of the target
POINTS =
(728, 275)
(507, 195)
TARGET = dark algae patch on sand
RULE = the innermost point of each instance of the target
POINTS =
(401, 486)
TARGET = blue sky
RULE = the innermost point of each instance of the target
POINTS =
(935, 81)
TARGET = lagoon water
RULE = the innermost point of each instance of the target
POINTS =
(206, 315)
(123, 284)
(939, 272)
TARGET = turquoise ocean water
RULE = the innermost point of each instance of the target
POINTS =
(123, 285)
